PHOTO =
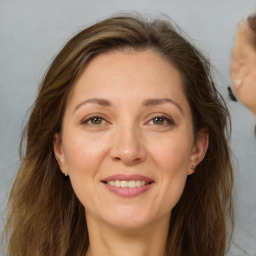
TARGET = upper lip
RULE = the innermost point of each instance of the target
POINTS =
(127, 177)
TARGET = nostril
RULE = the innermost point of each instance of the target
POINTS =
(126, 159)
(117, 159)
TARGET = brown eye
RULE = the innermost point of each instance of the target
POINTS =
(158, 120)
(95, 120)
(161, 120)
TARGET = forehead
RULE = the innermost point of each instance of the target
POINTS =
(128, 78)
(129, 68)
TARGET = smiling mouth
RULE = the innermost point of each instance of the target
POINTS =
(127, 184)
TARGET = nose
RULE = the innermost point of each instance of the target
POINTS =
(128, 146)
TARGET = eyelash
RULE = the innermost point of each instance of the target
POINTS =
(91, 118)
(166, 119)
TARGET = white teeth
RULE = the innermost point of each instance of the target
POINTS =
(117, 184)
(132, 184)
(127, 184)
(138, 183)
(124, 184)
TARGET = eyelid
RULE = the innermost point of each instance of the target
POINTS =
(87, 118)
(167, 118)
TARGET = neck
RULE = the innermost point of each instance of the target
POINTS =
(109, 241)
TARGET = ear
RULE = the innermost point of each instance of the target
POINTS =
(59, 153)
(199, 149)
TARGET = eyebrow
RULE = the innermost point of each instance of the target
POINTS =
(148, 102)
(101, 102)
(154, 102)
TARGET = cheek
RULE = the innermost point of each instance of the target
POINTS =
(83, 152)
(173, 154)
(173, 160)
(83, 159)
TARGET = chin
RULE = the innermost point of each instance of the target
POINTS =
(129, 218)
(133, 219)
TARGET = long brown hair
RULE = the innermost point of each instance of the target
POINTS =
(45, 216)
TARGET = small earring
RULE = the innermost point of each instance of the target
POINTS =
(66, 174)
(193, 167)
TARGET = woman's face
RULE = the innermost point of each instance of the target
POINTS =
(127, 139)
(243, 67)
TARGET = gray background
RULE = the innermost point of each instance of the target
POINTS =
(32, 32)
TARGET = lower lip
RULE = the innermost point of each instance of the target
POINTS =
(128, 192)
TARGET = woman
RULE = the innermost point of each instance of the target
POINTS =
(126, 150)
(243, 63)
